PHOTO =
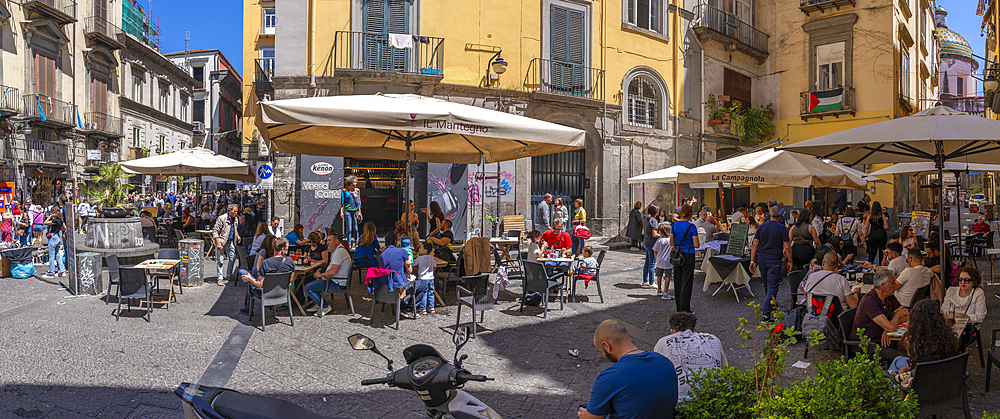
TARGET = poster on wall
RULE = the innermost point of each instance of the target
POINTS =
(447, 184)
(322, 180)
(6, 195)
(489, 183)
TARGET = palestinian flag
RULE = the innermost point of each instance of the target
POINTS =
(827, 100)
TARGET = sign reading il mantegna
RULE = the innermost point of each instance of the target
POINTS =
(739, 178)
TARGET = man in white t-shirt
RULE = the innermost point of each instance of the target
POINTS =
(897, 263)
(914, 277)
(689, 350)
(830, 282)
(336, 275)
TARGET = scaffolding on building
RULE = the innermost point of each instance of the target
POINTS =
(136, 22)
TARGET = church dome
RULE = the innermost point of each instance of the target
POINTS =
(953, 43)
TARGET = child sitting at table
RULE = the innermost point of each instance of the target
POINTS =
(424, 286)
(534, 236)
(588, 266)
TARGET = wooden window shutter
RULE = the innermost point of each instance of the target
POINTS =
(737, 86)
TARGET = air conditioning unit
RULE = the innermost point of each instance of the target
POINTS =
(199, 127)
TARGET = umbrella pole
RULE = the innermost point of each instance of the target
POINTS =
(482, 194)
(722, 204)
(958, 217)
(406, 186)
(939, 162)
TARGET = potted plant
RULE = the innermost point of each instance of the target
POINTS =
(752, 125)
(110, 191)
(715, 112)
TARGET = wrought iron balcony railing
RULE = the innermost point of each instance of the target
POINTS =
(729, 25)
(809, 6)
(563, 78)
(374, 51)
(61, 11)
(10, 100)
(103, 123)
(263, 71)
(100, 30)
(48, 110)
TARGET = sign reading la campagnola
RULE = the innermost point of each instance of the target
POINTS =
(453, 126)
(738, 178)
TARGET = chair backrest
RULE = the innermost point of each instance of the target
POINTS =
(600, 261)
(241, 255)
(275, 288)
(535, 279)
(835, 308)
(796, 277)
(113, 266)
(178, 235)
(383, 295)
(512, 222)
(940, 384)
(169, 253)
(847, 322)
(249, 262)
(480, 287)
(920, 294)
(721, 236)
(989, 239)
(149, 233)
(132, 281)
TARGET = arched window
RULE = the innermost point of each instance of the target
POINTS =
(645, 99)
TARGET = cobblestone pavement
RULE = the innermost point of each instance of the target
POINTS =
(67, 357)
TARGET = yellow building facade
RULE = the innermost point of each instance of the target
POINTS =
(827, 66)
(613, 68)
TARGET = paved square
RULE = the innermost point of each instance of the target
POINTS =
(67, 357)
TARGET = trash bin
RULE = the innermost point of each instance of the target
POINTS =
(989, 212)
(192, 262)
(947, 213)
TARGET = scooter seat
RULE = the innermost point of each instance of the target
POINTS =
(245, 406)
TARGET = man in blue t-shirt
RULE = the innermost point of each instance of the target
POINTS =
(640, 384)
(770, 247)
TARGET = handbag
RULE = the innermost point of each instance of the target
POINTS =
(675, 253)
(581, 232)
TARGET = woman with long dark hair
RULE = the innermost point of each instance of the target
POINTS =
(350, 208)
(686, 240)
(927, 338)
(877, 222)
(649, 236)
(805, 240)
(436, 217)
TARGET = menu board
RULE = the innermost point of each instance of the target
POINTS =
(737, 240)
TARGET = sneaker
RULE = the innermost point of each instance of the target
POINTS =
(48, 276)
(423, 312)
(328, 311)
(221, 282)
(63, 273)
(431, 311)
(667, 296)
(417, 315)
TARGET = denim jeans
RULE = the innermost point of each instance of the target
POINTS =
(770, 275)
(313, 290)
(424, 290)
(351, 227)
(229, 251)
(649, 264)
(55, 242)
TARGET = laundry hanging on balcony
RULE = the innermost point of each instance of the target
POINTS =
(400, 40)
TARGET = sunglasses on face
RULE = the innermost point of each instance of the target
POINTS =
(964, 279)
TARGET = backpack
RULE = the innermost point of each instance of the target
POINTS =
(793, 319)
(823, 323)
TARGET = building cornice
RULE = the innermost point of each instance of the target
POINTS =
(136, 48)
(148, 111)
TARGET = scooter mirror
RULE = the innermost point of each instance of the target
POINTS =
(361, 342)
(461, 336)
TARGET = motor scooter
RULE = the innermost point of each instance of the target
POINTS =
(438, 382)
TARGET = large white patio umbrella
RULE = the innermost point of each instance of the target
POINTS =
(914, 168)
(774, 167)
(668, 175)
(938, 134)
(195, 161)
(410, 128)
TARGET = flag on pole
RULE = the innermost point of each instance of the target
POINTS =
(41, 112)
(79, 122)
(826, 100)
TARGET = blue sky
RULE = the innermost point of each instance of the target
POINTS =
(962, 19)
(214, 24)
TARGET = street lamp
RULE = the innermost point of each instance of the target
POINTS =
(498, 65)
(990, 84)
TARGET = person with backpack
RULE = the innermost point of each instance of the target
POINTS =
(829, 281)
(848, 227)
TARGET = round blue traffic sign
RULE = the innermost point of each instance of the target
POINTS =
(264, 171)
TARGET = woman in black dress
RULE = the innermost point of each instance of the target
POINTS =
(634, 230)
(878, 223)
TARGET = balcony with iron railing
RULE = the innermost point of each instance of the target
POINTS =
(103, 124)
(10, 101)
(101, 32)
(61, 11)
(828, 102)
(263, 71)
(373, 51)
(810, 6)
(550, 76)
(737, 35)
(48, 111)
(106, 159)
(973, 105)
(41, 153)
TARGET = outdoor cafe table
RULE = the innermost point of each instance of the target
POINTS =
(298, 277)
(163, 265)
(207, 235)
(732, 271)
(957, 326)
(503, 245)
